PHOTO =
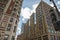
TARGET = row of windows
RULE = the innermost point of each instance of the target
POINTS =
(11, 20)
(10, 25)
(53, 31)
(44, 38)
(9, 28)
(54, 37)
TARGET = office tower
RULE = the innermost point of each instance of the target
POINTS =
(44, 21)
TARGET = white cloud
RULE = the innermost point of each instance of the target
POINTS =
(51, 5)
(25, 12)
(34, 8)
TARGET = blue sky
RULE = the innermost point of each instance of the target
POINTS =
(28, 7)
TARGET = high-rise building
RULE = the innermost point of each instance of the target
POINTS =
(25, 32)
(32, 26)
(9, 17)
(44, 22)
(28, 29)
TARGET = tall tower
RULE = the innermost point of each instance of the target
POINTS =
(32, 26)
(44, 21)
(9, 17)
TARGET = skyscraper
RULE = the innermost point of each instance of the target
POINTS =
(9, 17)
(44, 21)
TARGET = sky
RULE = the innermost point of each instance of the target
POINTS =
(28, 7)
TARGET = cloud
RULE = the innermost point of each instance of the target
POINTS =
(25, 15)
(34, 8)
(26, 12)
(51, 5)
(58, 5)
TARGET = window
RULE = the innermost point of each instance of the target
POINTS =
(59, 38)
(45, 37)
(9, 27)
(11, 20)
(51, 10)
(17, 2)
(16, 22)
(6, 37)
(13, 38)
(1, 10)
(17, 16)
(3, 5)
(14, 9)
(14, 29)
(18, 12)
(53, 17)
(13, 14)
(16, 5)
(39, 38)
(51, 37)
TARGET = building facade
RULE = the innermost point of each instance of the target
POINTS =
(9, 17)
(44, 21)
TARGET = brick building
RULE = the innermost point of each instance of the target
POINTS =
(9, 18)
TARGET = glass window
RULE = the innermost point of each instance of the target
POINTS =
(45, 37)
(13, 38)
(16, 22)
(14, 29)
(15, 9)
(16, 5)
(51, 10)
(17, 16)
(11, 20)
(17, 1)
(6, 37)
(1, 10)
(39, 38)
(18, 12)
(51, 37)
(9, 27)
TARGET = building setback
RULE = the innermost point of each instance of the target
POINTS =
(9, 17)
